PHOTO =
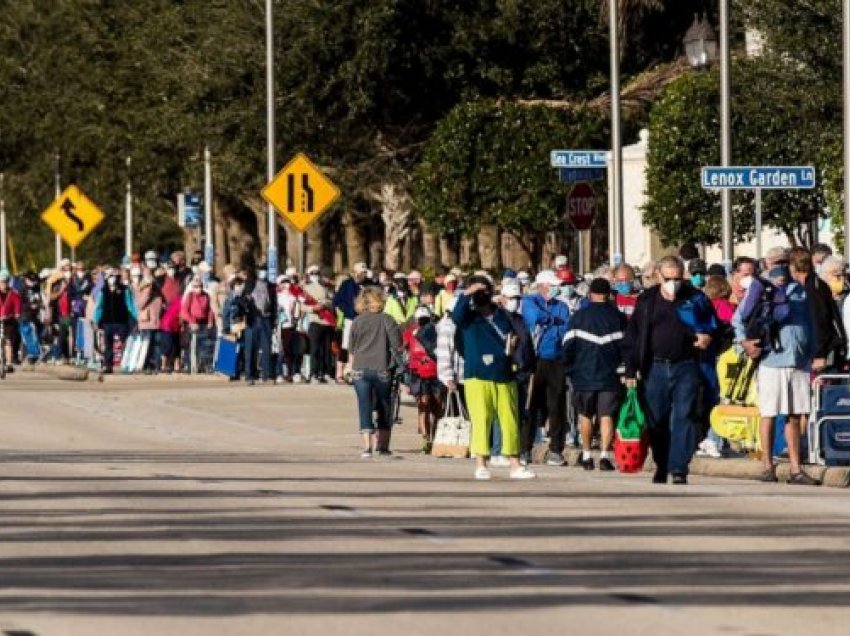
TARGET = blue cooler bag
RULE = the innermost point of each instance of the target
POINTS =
(833, 424)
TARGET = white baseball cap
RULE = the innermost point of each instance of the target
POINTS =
(313, 269)
(291, 271)
(510, 289)
(547, 277)
(422, 312)
(560, 261)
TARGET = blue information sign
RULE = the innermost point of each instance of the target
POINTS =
(189, 210)
(579, 159)
(576, 175)
(759, 177)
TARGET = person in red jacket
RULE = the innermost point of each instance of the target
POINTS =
(10, 314)
(196, 313)
(420, 342)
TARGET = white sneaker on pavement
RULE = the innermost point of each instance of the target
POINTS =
(522, 473)
(482, 474)
(708, 448)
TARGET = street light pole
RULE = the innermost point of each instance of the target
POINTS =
(846, 46)
(209, 248)
(3, 263)
(58, 189)
(725, 131)
(616, 137)
(128, 221)
(271, 257)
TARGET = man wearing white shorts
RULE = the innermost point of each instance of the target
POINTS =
(784, 387)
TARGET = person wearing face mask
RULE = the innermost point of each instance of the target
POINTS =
(547, 320)
(833, 272)
(151, 260)
(820, 252)
(624, 285)
(523, 366)
(592, 357)
(322, 325)
(486, 339)
(288, 314)
(80, 288)
(198, 318)
(419, 340)
(568, 294)
(114, 314)
(58, 289)
(445, 297)
(672, 323)
(344, 303)
(400, 304)
(149, 306)
(179, 270)
(10, 313)
(698, 271)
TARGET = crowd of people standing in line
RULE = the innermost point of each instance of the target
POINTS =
(509, 347)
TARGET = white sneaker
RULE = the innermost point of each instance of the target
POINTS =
(279, 380)
(500, 461)
(482, 474)
(297, 379)
(523, 473)
(709, 449)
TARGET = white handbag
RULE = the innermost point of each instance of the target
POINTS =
(454, 430)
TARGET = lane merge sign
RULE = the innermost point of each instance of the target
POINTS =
(759, 177)
(579, 159)
(301, 193)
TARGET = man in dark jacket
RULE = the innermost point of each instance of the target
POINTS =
(592, 357)
(115, 313)
(344, 300)
(830, 350)
(672, 322)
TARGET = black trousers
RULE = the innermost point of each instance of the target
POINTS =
(550, 394)
(321, 360)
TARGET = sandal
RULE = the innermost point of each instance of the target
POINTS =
(768, 476)
(802, 479)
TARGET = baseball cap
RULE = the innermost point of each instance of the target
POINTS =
(697, 266)
(422, 312)
(313, 269)
(291, 271)
(716, 269)
(560, 261)
(600, 286)
(283, 278)
(510, 289)
(414, 275)
(566, 276)
(547, 277)
(450, 278)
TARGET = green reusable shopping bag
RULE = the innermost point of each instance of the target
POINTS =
(632, 421)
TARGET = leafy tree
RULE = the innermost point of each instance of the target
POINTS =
(777, 119)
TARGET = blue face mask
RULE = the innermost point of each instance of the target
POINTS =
(568, 290)
(623, 287)
(553, 292)
(698, 280)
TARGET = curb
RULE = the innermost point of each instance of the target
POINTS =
(729, 468)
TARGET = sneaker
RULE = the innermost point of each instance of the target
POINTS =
(679, 479)
(482, 474)
(279, 380)
(708, 448)
(587, 464)
(659, 478)
(605, 464)
(366, 454)
(297, 379)
(802, 479)
(500, 460)
(383, 452)
(525, 459)
(555, 459)
(522, 473)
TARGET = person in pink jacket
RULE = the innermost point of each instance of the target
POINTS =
(197, 314)
(149, 305)
(169, 335)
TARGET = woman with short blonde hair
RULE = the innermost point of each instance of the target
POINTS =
(375, 343)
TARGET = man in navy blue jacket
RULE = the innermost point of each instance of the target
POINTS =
(546, 318)
(593, 356)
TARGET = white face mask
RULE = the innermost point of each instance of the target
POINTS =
(512, 305)
(672, 287)
(314, 278)
(745, 282)
(151, 264)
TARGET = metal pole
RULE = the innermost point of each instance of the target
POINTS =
(271, 258)
(128, 227)
(58, 188)
(581, 268)
(725, 132)
(3, 263)
(616, 135)
(758, 222)
(209, 248)
(846, 46)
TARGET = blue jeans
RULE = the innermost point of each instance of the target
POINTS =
(670, 396)
(258, 336)
(373, 390)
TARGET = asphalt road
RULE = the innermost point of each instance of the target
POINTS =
(183, 506)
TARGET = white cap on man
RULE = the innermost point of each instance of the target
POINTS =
(313, 269)
(422, 312)
(414, 276)
(510, 289)
(291, 271)
(547, 277)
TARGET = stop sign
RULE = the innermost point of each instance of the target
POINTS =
(581, 206)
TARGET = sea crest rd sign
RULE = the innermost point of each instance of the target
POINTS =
(758, 177)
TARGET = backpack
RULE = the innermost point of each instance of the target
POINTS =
(769, 314)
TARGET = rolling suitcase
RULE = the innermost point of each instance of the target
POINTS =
(829, 425)
(227, 360)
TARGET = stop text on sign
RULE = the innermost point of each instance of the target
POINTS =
(759, 177)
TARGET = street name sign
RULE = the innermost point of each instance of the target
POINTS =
(574, 175)
(581, 206)
(300, 193)
(759, 178)
(73, 216)
(579, 159)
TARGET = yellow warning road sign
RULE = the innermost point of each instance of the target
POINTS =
(301, 193)
(73, 216)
